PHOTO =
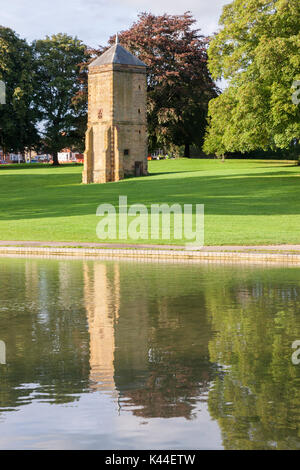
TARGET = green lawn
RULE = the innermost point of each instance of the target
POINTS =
(246, 201)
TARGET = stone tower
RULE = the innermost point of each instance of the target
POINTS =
(116, 137)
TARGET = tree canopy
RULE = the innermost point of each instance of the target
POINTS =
(17, 116)
(57, 62)
(257, 52)
(179, 84)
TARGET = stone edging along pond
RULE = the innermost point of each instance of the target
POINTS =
(155, 254)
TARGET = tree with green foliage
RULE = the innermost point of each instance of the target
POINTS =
(255, 396)
(58, 84)
(17, 115)
(257, 52)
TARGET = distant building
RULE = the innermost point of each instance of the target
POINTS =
(29, 156)
(67, 156)
(12, 157)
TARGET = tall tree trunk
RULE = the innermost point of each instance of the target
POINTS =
(187, 151)
(55, 159)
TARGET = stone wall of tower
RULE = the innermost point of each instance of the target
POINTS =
(130, 95)
(98, 153)
(116, 138)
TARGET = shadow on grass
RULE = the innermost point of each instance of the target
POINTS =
(62, 194)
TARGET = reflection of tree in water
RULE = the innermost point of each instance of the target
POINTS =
(43, 323)
(161, 360)
(256, 397)
(60, 322)
(168, 392)
(153, 335)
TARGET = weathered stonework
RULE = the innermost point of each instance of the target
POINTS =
(116, 137)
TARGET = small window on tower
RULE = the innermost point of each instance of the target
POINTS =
(139, 111)
(126, 151)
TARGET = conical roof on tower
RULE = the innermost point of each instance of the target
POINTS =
(117, 54)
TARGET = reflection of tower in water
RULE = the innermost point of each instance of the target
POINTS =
(102, 299)
(139, 350)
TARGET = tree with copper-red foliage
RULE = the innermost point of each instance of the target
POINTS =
(179, 84)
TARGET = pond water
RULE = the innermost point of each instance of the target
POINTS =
(139, 355)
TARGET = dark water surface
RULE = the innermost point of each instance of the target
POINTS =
(139, 355)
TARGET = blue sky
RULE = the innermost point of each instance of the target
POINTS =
(93, 21)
